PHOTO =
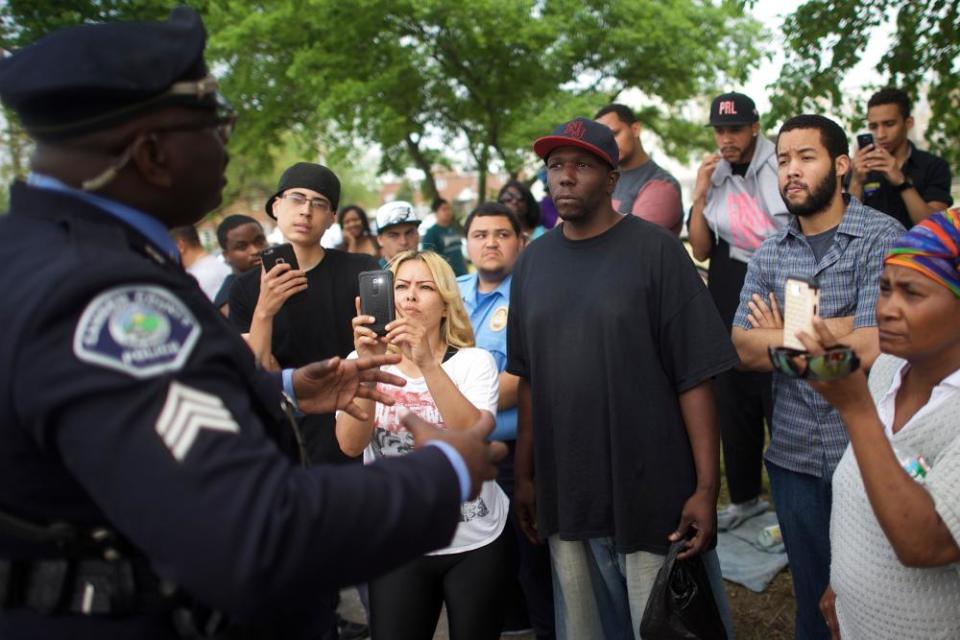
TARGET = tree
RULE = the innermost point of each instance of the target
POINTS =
(420, 78)
(826, 38)
(416, 76)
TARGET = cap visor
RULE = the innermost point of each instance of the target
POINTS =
(543, 146)
(728, 123)
(269, 206)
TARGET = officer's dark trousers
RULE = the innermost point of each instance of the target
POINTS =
(743, 400)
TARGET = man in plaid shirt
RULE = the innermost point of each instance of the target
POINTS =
(837, 240)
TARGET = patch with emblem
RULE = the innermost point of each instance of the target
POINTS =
(141, 330)
(499, 319)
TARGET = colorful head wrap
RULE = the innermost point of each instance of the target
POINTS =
(932, 247)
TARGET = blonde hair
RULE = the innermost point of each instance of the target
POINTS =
(455, 329)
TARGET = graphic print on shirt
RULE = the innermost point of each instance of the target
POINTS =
(391, 438)
(749, 226)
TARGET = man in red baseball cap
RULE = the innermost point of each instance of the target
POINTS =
(617, 391)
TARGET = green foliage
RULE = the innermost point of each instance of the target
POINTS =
(417, 76)
(424, 78)
(824, 39)
(24, 21)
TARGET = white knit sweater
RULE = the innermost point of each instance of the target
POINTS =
(878, 597)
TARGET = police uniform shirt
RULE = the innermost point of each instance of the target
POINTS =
(130, 402)
(488, 315)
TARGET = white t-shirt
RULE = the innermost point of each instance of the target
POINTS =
(877, 596)
(474, 372)
(210, 273)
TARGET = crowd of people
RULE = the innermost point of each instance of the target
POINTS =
(196, 447)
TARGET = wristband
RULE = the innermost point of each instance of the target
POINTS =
(906, 184)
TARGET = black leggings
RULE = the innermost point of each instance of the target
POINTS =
(405, 603)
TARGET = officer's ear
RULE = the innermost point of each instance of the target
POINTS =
(151, 160)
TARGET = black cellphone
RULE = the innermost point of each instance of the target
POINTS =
(272, 256)
(376, 298)
(864, 140)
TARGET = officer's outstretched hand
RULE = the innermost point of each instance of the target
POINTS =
(333, 384)
(480, 455)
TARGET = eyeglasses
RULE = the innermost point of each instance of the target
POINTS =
(835, 362)
(223, 124)
(510, 197)
(298, 200)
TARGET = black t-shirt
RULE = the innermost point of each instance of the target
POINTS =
(311, 326)
(631, 326)
(930, 176)
(223, 295)
(725, 278)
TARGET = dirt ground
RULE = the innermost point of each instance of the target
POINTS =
(756, 616)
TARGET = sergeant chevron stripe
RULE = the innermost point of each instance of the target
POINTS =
(185, 413)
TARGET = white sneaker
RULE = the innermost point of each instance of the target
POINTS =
(736, 514)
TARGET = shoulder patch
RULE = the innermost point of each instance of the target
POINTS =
(140, 330)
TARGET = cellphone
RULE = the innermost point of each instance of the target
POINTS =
(801, 301)
(272, 256)
(864, 140)
(376, 298)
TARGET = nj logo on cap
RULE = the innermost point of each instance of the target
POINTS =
(574, 129)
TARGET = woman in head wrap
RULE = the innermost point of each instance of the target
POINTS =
(896, 492)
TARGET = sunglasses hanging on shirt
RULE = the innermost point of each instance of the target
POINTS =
(836, 362)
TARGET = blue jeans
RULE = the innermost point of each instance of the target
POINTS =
(600, 593)
(803, 509)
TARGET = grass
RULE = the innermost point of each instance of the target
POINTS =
(760, 616)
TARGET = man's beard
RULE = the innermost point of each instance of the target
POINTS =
(820, 196)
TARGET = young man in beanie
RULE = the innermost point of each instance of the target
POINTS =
(150, 484)
(736, 206)
(300, 315)
(645, 189)
(315, 324)
(617, 451)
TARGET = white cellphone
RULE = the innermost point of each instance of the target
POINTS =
(801, 301)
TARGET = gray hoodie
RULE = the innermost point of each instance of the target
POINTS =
(746, 210)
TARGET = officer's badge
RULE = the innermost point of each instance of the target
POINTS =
(499, 319)
(140, 330)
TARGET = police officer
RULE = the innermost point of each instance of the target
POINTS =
(147, 481)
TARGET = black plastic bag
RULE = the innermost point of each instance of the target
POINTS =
(681, 604)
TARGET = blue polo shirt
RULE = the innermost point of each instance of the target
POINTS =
(488, 315)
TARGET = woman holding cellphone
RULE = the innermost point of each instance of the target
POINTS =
(449, 382)
(895, 521)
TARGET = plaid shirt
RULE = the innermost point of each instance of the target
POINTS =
(807, 435)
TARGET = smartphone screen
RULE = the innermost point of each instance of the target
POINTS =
(376, 298)
(801, 301)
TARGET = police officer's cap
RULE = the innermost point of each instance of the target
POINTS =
(92, 77)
